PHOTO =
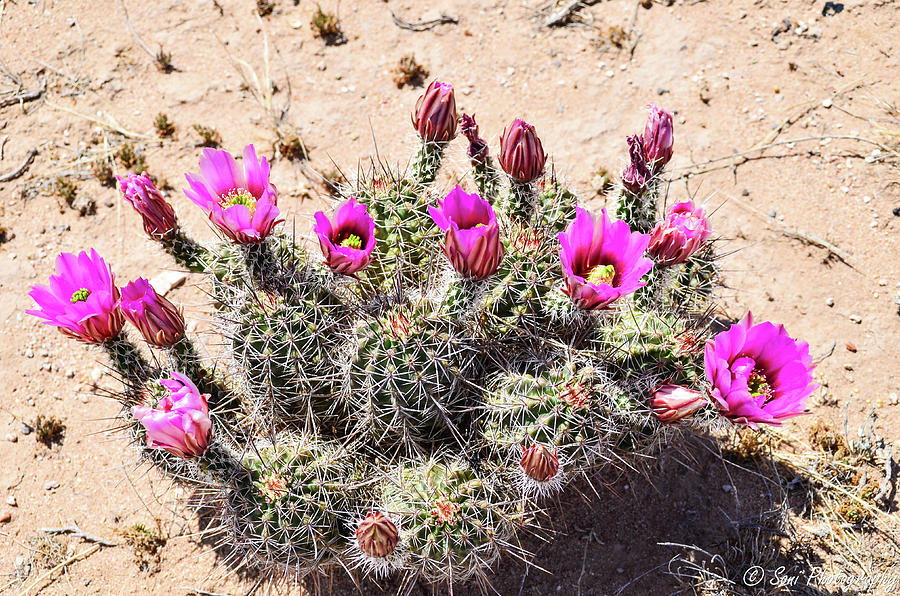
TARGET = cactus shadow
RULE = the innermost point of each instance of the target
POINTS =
(693, 520)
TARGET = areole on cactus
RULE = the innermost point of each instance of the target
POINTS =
(399, 403)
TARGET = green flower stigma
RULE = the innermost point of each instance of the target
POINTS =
(601, 274)
(239, 196)
(80, 295)
(352, 241)
(758, 386)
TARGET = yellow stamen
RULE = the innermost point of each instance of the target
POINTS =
(352, 241)
(601, 274)
(239, 196)
(80, 296)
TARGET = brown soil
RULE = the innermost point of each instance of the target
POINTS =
(734, 73)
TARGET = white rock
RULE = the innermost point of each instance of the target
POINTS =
(166, 281)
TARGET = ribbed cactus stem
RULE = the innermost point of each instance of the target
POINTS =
(428, 161)
(639, 209)
(186, 251)
(487, 178)
(523, 201)
(127, 359)
(220, 461)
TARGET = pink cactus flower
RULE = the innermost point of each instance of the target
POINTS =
(637, 174)
(658, 137)
(680, 235)
(435, 115)
(521, 153)
(672, 403)
(348, 241)
(157, 213)
(82, 298)
(177, 419)
(602, 260)
(240, 201)
(158, 320)
(758, 373)
(472, 234)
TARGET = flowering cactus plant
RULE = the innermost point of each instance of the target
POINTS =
(399, 402)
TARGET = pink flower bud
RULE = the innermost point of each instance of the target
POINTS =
(680, 235)
(521, 153)
(377, 535)
(158, 215)
(176, 417)
(478, 148)
(157, 319)
(658, 137)
(671, 403)
(435, 115)
(540, 463)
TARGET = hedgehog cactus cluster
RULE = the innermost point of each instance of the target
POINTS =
(403, 396)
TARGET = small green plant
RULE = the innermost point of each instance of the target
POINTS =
(49, 430)
(103, 172)
(292, 147)
(146, 544)
(409, 72)
(326, 26)
(164, 61)
(130, 158)
(209, 137)
(265, 7)
(164, 127)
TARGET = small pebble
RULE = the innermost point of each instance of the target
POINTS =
(893, 399)
(11, 438)
(11, 501)
(773, 213)
(829, 301)
(5, 516)
(851, 347)
(51, 484)
(29, 353)
(745, 192)
(726, 488)
(827, 103)
(855, 319)
(25, 430)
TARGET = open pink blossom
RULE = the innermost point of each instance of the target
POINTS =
(82, 298)
(758, 373)
(240, 201)
(471, 233)
(158, 320)
(347, 240)
(602, 260)
(178, 421)
(680, 235)
(157, 213)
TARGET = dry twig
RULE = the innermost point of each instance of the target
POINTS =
(162, 59)
(24, 96)
(444, 19)
(562, 16)
(78, 533)
(63, 565)
(21, 169)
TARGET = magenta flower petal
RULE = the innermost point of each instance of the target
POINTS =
(758, 373)
(179, 421)
(637, 174)
(82, 298)
(602, 260)
(240, 201)
(347, 242)
(157, 319)
(471, 233)
(680, 235)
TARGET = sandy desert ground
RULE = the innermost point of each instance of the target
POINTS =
(787, 126)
